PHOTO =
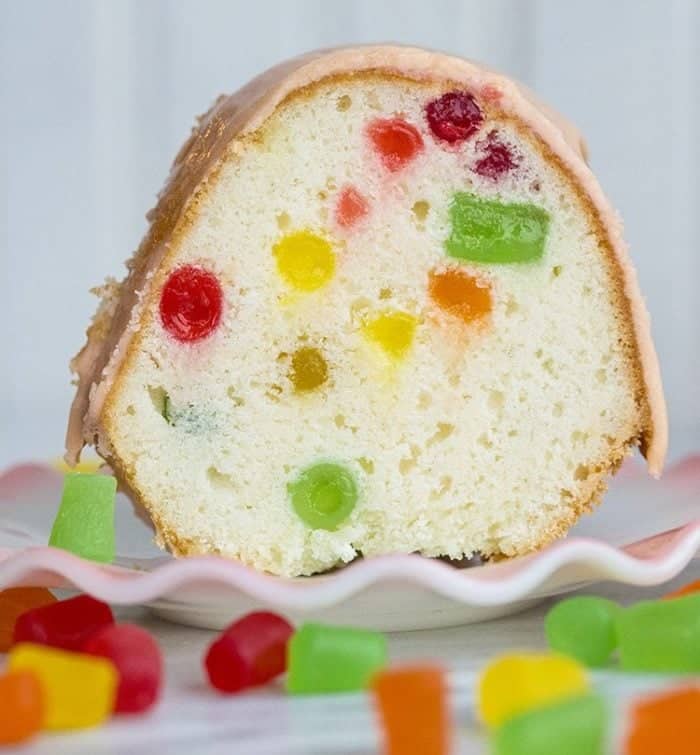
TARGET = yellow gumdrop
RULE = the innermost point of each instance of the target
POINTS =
(86, 465)
(515, 683)
(393, 331)
(79, 690)
(305, 260)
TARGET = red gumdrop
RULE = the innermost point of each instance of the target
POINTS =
(454, 117)
(191, 303)
(250, 652)
(137, 657)
(395, 141)
(65, 624)
(497, 160)
(351, 207)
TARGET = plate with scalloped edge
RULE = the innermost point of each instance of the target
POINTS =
(645, 533)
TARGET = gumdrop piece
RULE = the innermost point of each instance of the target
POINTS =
(22, 710)
(326, 659)
(413, 707)
(65, 624)
(323, 495)
(454, 117)
(137, 658)
(351, 207)
(393, 331)
(688, 589)
(191, 304)
(497, 158)
(304, 260)
(84, 524)
(459, 294)
(396, 142)
(668, 722)
(13, 603)
(584, 628)
(485, 230)
(250, 652)
(576, 726)
(660, 635)
(515, 683)
(308, 369)
(79, 690)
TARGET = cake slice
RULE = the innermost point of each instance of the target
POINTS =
(382, 307)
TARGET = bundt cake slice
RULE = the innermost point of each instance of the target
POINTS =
(382, 306)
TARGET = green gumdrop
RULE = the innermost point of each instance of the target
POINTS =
(576, 726)
(485, 230)
(84, 524)
(326, 659)
(323, 495)
(583, 627)
(660, 635)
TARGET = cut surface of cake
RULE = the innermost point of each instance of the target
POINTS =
(382, 307)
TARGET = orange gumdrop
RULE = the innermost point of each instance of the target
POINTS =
(351, 207)
(395, 141)
(685, 590)
(413, 707)
(665, 723)
(460, 294)
(13, 603)
(22, 708)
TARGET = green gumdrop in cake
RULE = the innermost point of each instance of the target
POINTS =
(84, 524)
(485, 230)
(323, 495)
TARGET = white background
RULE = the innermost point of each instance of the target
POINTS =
(96, 97)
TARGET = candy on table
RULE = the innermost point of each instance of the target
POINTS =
(137, 658)
(688, 589)
(454, 117)
(191, 304)
(250, 652)
(323, 495)
(308, 370)
(395, 141)
(65, 624)
(305, 260)
(351, 207)
(413, 707)
(661, 635)
(574, 726)
(79, 690)
(84, 524)
(667, 722)
(459, 294)
(392, 331)
(517, 682)
(333, 659)
(486, 230)
(22, 707)
(13, 603)
(584, 628)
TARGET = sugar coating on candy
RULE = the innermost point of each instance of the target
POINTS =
(584, 628)
(191, 303)
(493, 232)
(305, 260)
(666, 722)
(22, 706)
(661, 635)
(13, 603)
(497, 158)
(460, 294)
(79, 689)
(64, 624)
(323, 495)
(454, 116)
(327, 659)
(516, 682)
(84, 524)
(575, 726)
(250, 652)
(137, 658)
(351, 207)
(395, 141)
(414, 710)
(308, 369)
(393, 331)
